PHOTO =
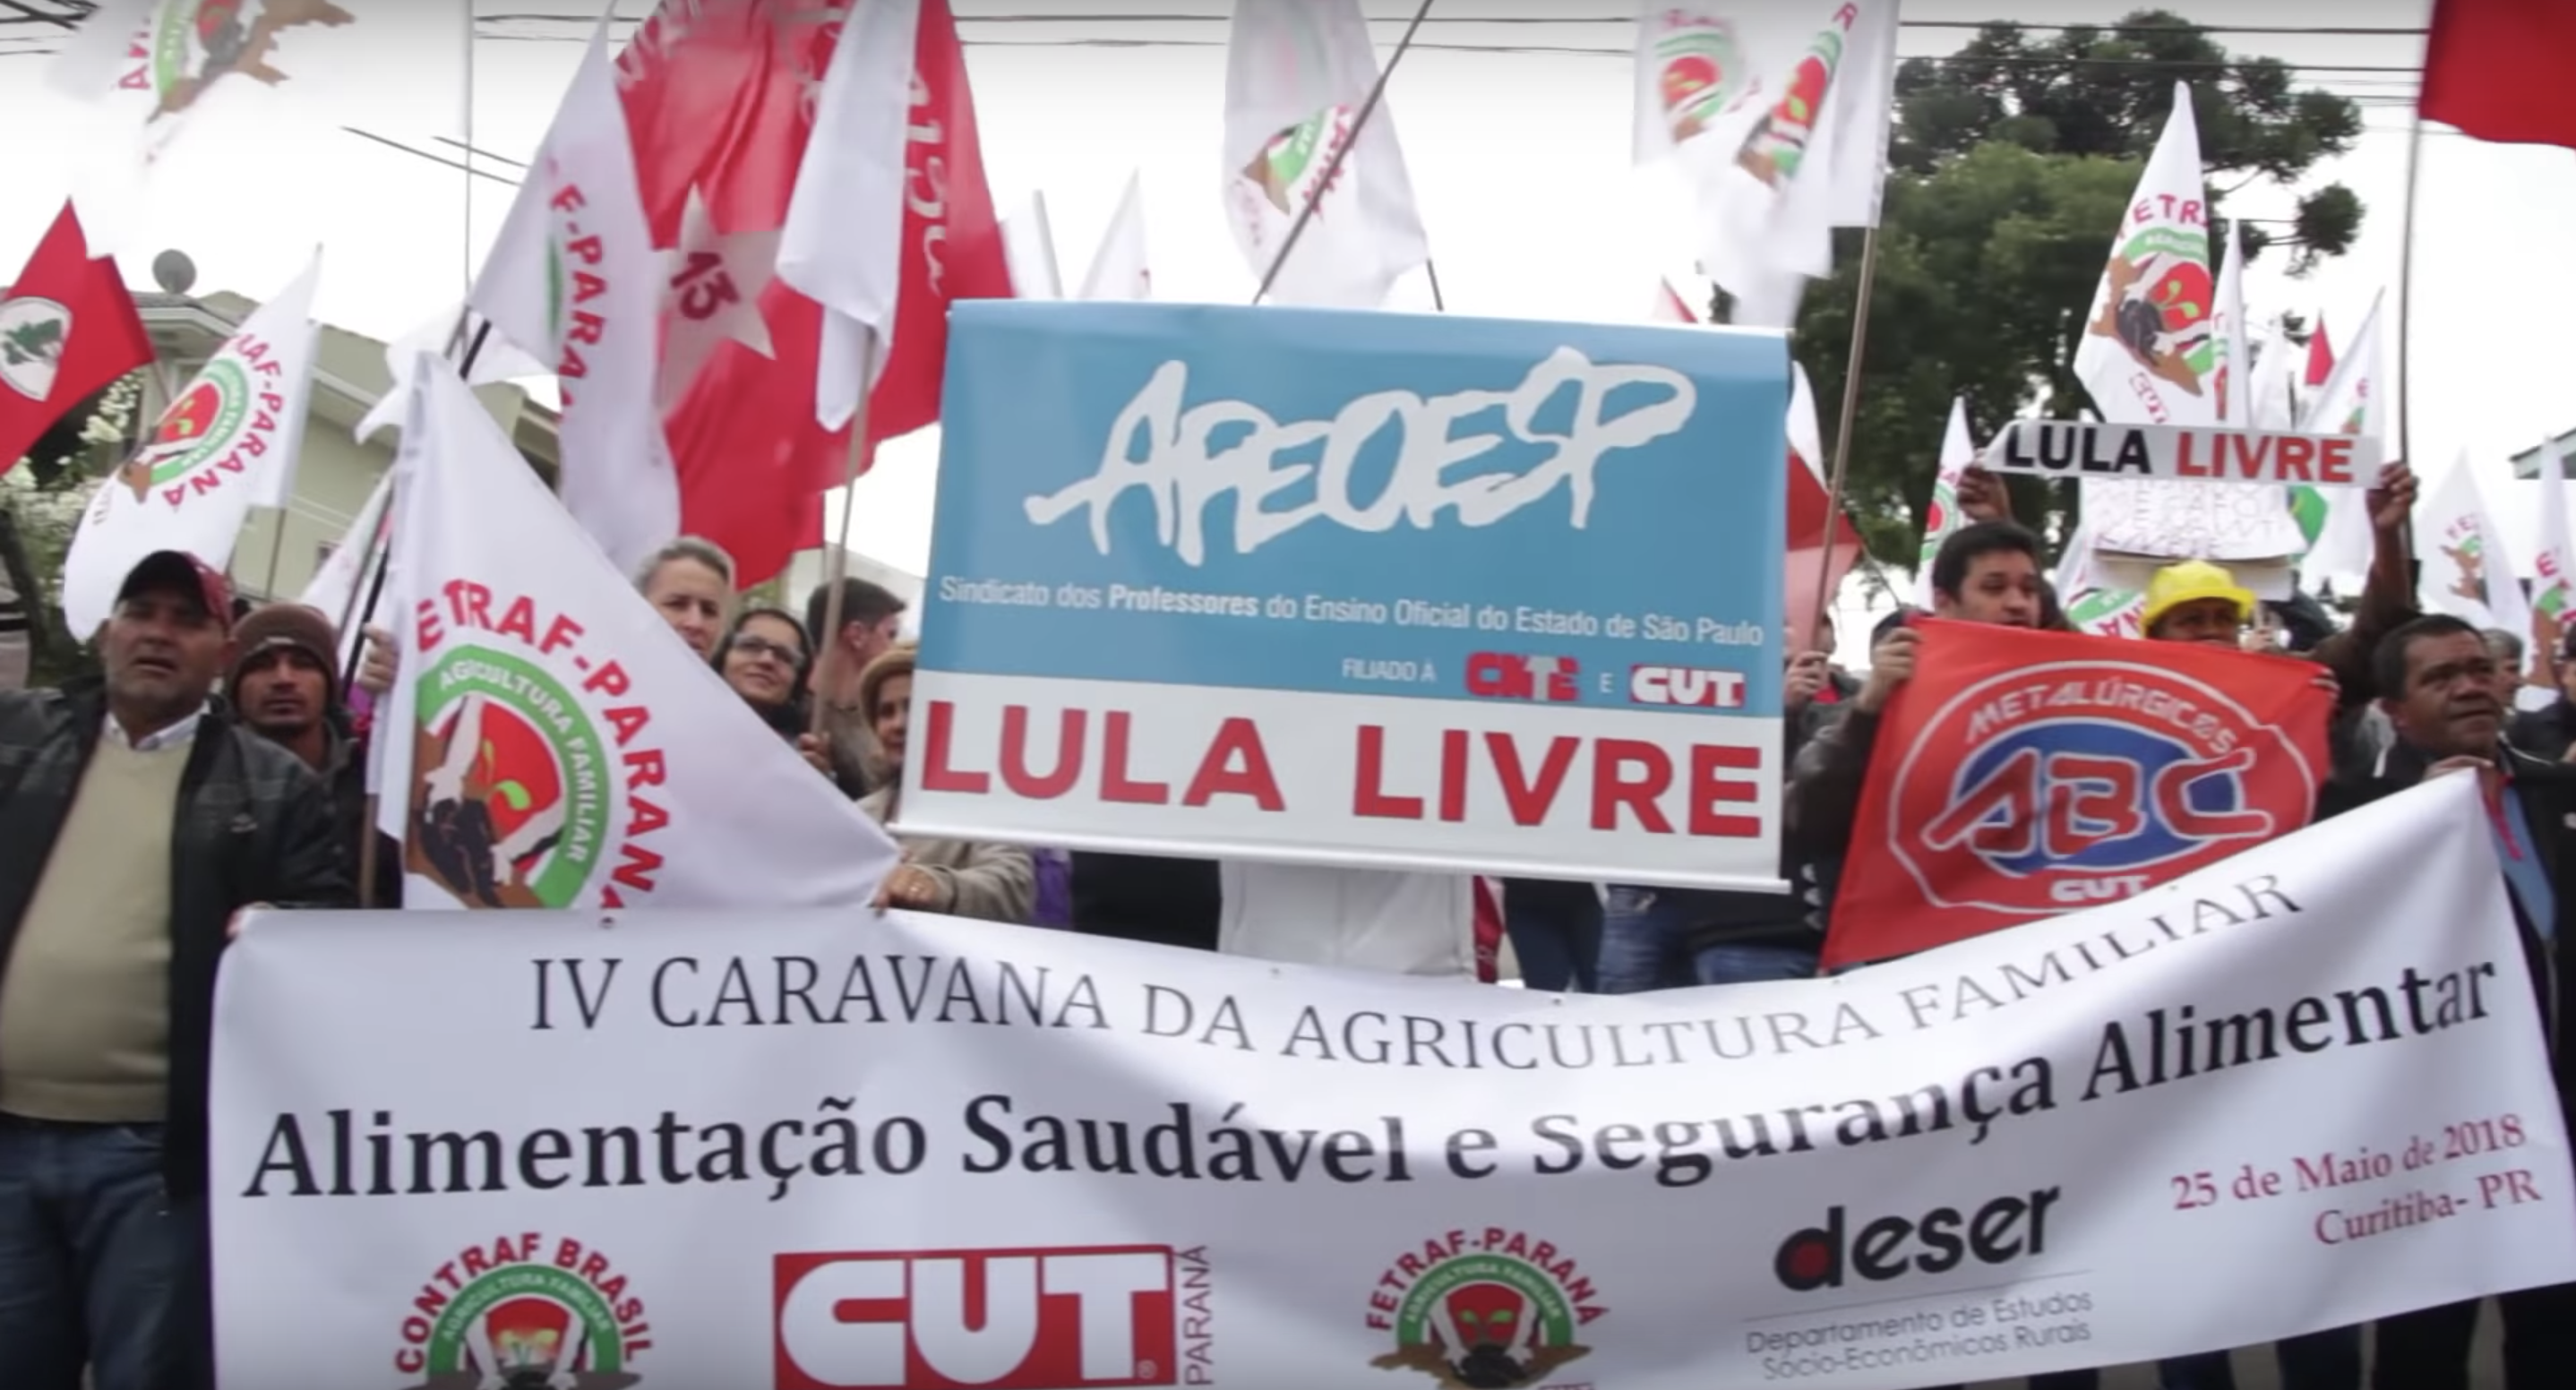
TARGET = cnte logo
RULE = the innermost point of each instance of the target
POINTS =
(1889, 1247)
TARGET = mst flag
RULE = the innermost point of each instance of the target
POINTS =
(551, 743)
(227, 443)
(2022, 775)
(67, 329)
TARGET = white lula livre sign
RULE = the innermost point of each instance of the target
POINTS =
(2302, 1088)
(2201, 453)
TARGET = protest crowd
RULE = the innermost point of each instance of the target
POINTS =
(231, 762)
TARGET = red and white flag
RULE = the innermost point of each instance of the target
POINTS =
(1941, 517)
(695, 276)
(227, 443)
(67, 329)
(2321, 355)
(1297, 74)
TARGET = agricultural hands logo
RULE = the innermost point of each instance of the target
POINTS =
(193, 43)
(197, 427)
(1700, 72)
(1490, 1311)
(2041, 789)
(512, 800)
(2160, 304)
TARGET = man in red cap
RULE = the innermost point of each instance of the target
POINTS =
(137, 822)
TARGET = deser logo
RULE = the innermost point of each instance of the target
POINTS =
(1504, 676)
(2085, 781)
(1890, 1247)
(1685, 685)
(1037, 1319)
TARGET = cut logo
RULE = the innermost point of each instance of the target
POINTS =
(1036, 1319)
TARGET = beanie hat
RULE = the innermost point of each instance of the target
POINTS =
(275, 625)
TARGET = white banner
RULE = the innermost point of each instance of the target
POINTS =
(2298, 1090)
(2084, 449)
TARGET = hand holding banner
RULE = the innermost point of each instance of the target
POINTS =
(2020, 775)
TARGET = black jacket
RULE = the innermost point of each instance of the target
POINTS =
(254, 825)
(2545, 733)
(2547, 791)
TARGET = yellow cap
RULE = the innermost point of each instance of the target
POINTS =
(2189, 582)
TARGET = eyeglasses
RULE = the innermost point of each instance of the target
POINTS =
(749, 645)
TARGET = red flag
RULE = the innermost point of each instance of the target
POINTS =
(2021, 775)
(2496, 69)
(717, 99)
(952, 243)
(67, 329)
(2320, 355)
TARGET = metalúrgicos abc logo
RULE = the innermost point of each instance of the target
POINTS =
(1484, 1311)
(2080, 781)
(513, 799)
(523, 1311)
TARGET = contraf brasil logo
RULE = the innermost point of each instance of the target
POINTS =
(523, 1312)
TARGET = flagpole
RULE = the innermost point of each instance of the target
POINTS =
(1843, 434)
(276, 547)
(836, 565)
(1431, 267)
(377, 556)
(2406, 310)
(1333, 166)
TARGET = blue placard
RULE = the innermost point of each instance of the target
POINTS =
(1359, 503)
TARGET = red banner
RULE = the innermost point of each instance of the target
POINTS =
(2021, 775)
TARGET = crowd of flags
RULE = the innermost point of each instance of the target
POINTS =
(737, 245)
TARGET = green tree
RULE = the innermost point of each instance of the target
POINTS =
(41, 502)
(2010, 163)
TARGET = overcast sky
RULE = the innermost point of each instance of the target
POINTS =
(1519, 161)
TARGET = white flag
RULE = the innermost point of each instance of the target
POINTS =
(2353, 401)
(226, 444)
(2149, 348)
(551, 742)
(2232, 378)
(2553, 590)
(842, 244)
(1958, 455)
(1298, 73)
(1121, 269)
(2466, 572)
(1028, 243)
(2093, 603)
(338, 587)
(573, 279)
(2269, 398)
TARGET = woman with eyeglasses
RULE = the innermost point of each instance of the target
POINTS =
(764, 658)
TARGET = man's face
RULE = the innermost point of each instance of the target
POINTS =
(2001, 588)
(2450, 706)
(282, 692)
(2211, 621)
(163, 650)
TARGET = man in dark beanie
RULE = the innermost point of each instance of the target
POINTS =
(284, 686)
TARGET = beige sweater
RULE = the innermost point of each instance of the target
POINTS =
(85, 1006)
(997, 883)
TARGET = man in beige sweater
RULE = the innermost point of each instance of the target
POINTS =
(136, 823)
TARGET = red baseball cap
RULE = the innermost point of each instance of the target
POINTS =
(177, 569)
